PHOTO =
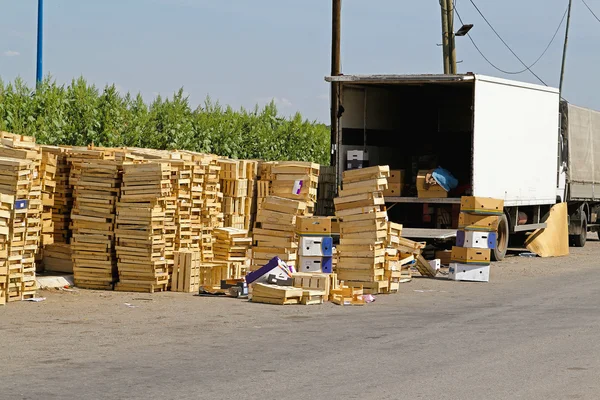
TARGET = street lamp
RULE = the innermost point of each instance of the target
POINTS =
(464, 30)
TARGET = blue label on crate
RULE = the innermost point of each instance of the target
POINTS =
(20, 204)
(492, 238)
(327, 265)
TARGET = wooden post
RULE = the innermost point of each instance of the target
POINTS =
(564, 56)
(451, 37)
(445, 43)
(336, 24)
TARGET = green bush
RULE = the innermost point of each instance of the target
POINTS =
(80, 114)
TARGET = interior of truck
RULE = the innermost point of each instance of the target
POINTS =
(412, 127)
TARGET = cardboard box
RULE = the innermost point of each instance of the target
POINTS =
(422, 184)
(465, 255)
(393, 190)
(313, 225)
(315, 264)
(473, 222)
(357, 155)
(432, 194)
(396, 177)
(335, 226)
(426, 190)
(315, 246)
(471, 273)
(481, 205)
(444, 256)
(476, 240)
(357, 159)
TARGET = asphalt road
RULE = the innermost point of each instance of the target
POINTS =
(531, 333)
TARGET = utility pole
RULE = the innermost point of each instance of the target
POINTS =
(40, 36)
(451, 37)
(564, 56)
(336, 66)
(445, 36)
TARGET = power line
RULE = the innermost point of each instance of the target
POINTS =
(590, 9)
(506, 44)
(527, 68)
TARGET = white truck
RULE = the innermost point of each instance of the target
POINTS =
(500, 138)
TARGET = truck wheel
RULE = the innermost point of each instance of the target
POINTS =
(499, 252)
(579, 240)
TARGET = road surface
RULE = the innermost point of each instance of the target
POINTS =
(531, 333)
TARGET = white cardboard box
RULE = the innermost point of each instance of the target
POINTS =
(436, 264)
(315, 246)
(310, 264)
(476, 239)
(467, 272)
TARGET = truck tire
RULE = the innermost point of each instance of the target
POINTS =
(499, 252)
(579, 240)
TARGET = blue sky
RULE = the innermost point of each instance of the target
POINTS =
(243, 52)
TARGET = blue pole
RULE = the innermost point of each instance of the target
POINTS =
(40, 36)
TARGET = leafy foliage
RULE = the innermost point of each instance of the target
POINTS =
(80, 114)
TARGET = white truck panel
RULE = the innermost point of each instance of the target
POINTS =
(515, 142)
(583, 143)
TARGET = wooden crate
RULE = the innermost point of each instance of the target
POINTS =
(211, 274)
(186, 272)
(278, 295)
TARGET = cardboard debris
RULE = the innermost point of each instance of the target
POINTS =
(552, 241)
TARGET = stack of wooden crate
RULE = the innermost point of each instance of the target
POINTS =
(315, 252)
(212, 215)
(231, 244)
(252, 176)
(364, 229)
(263, 185)
(6, 206)
(63, 194)
(274, 232)
(394, 259)
(4, 232)
(230, 262)
(48, 185)
(182, 171)
(141, 211)
(24, 225)
(58, 258)
(296, 180)
(197, 202)
(475, 239)
(235, 186)
(20, 179)
(96, 192)
(78, 155)
(326, 191)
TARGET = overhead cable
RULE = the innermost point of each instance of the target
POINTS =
(527, 68)
(590, 9)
